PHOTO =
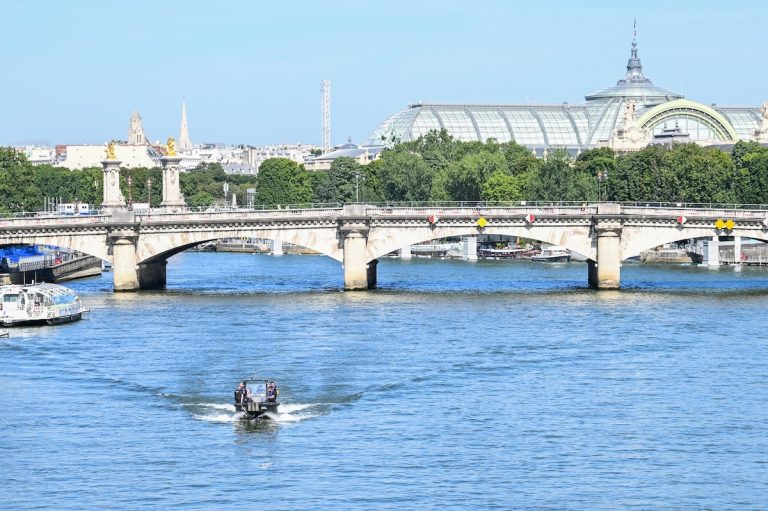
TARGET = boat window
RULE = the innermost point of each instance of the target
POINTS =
(10, 298)
(64, 299)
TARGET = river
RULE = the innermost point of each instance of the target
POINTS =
(488, 385)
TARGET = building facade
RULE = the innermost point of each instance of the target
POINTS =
(626, 116)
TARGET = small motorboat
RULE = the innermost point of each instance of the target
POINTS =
(258, 405)
(38, 304)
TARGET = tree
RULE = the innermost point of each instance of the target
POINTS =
(404, 176)
(18, 190)
(320, 190)
(282, 181)
(501, 186)
(344, 180)
(466, 177)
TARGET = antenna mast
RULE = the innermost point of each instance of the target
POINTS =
(326, 90)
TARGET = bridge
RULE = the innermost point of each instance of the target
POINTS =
(139, 244)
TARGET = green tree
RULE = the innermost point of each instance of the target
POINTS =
(282, 181)
(501, 186)
(200, 200)
(344, 180)
(405, 176)
(18, 191)
(465, 178)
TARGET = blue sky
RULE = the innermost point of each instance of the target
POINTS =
(250, 71)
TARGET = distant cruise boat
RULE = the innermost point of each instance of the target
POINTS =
(38, 304)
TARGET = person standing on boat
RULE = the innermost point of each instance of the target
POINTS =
(241, 393)
(272, 392)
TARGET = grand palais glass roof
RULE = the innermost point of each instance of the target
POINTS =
(574, 127)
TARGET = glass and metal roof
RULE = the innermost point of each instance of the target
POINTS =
(575, 127)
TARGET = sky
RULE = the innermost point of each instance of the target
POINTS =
(250, 71)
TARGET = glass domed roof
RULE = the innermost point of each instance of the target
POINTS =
(635, 85)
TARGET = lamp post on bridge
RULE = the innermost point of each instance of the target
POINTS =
(129, 180)
(149, 192)
(602, 177)
(357, 185)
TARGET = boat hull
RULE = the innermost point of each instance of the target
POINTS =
(552, 259)
(42, 321)
(257, 410)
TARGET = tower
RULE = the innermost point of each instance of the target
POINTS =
(135, 131)
(184, 143)
(326, 90)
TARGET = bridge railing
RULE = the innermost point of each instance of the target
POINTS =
(408, 208)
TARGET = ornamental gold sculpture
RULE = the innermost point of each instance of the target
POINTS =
(170, 147)
(111, 151)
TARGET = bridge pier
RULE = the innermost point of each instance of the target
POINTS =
(277, 248)
(125, 276)
(469, 248)
(592, 274)
(371, 273)
(152, 275)
(355, 267)
(405, 252)
(607, 271)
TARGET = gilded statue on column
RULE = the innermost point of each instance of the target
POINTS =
(170, 147)
(111, 151)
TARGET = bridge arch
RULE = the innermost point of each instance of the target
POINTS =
(94, 245)
(160, 245)
(633, 245)
(384, 241)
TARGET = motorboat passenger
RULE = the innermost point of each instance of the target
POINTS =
(272, 392)
(241, 394)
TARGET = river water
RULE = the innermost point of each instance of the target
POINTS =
(488, 385)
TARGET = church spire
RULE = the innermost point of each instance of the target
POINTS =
(184, 143)
(136, 131)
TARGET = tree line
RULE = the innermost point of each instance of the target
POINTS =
(436, 167)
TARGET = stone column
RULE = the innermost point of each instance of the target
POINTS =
(405, 252)
(124, 272)
(470, 248)
(737, 250)
(172, 199)
(608, 233)
(712, 251)
(355, 267)
(112, 197)
(277, 247)
(608, 259)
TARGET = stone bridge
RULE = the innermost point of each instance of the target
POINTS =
(139, 245)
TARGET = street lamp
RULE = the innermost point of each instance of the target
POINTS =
(129, 180)
(357, 185)
(149, 193)
(602, 177)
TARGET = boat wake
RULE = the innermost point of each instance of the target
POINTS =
(220, 412)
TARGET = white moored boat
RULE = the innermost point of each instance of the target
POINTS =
(38, 304)
(553, 254)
